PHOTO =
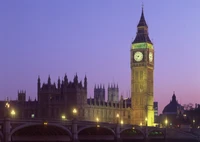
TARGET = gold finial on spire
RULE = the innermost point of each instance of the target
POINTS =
(142, 5)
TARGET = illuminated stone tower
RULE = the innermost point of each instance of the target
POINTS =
(142, 72)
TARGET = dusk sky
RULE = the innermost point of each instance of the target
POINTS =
(93, 37)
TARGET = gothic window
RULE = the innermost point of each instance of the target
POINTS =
(141, 75)
(136, 88)
(141, 87)
(136, 75)
(141, 101)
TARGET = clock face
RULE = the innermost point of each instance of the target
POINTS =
(138, 56)
(150, 56)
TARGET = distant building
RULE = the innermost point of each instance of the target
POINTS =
(173, 107)
(173, 113)
(155, 106)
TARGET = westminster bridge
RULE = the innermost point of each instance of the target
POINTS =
(14, 130)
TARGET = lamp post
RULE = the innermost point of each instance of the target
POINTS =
(12, 113)
(193, 122)
(118, 128)
(97, 119)
(166, 122)
(74, 126)
(6, 112)
(74, 113)
(63, 117)
(117, 116)
(146, 120)
(146, 129)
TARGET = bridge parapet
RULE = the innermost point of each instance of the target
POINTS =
(73, 129)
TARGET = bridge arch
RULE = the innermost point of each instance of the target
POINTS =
(129, 132)
(162, 131)
(94, 126)
(36, 124)
(137, 129)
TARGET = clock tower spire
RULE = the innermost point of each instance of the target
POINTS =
(142, 71)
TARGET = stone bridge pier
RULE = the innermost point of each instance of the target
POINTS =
(6, 130)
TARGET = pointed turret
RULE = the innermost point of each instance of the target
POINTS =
(142, 31)
(142, 22)
(58, 82)
(38, 83)
(76, 79)
(65, 79)
(49, 80)
(85, 82)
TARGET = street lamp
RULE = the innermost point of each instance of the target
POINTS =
(12, 113)
(166, 122)
(63, 117)
(7, 105)
(193, 123)
(146, 120)
(74, 111)
(117, 117)
(97, 119)
(122, 122)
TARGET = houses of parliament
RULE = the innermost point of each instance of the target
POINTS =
(57, 99)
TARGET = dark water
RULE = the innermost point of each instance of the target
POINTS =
(152, 140)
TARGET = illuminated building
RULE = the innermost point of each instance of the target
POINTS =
(56, 100)
(142, 72)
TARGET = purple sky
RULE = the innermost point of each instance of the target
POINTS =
(93, 37)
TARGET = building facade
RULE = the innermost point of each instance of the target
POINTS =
(55, 100)
(142, 76)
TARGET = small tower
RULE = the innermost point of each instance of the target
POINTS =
(59, 83)
(76, 79)
(65, 80)
(21, 96)
(49, 80)
(113, 93)
(99, 93)
(38, 83)
(85, 82)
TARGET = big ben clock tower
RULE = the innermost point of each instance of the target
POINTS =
(142, 72)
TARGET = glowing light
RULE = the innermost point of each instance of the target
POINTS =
(122, 122)
(74, 111)
(166, 121)
(63, 117)
(45, 123)
(7, 105)
(97, 119)
(12, 112)
(117, 115)
(32, 115)
(142, 45)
